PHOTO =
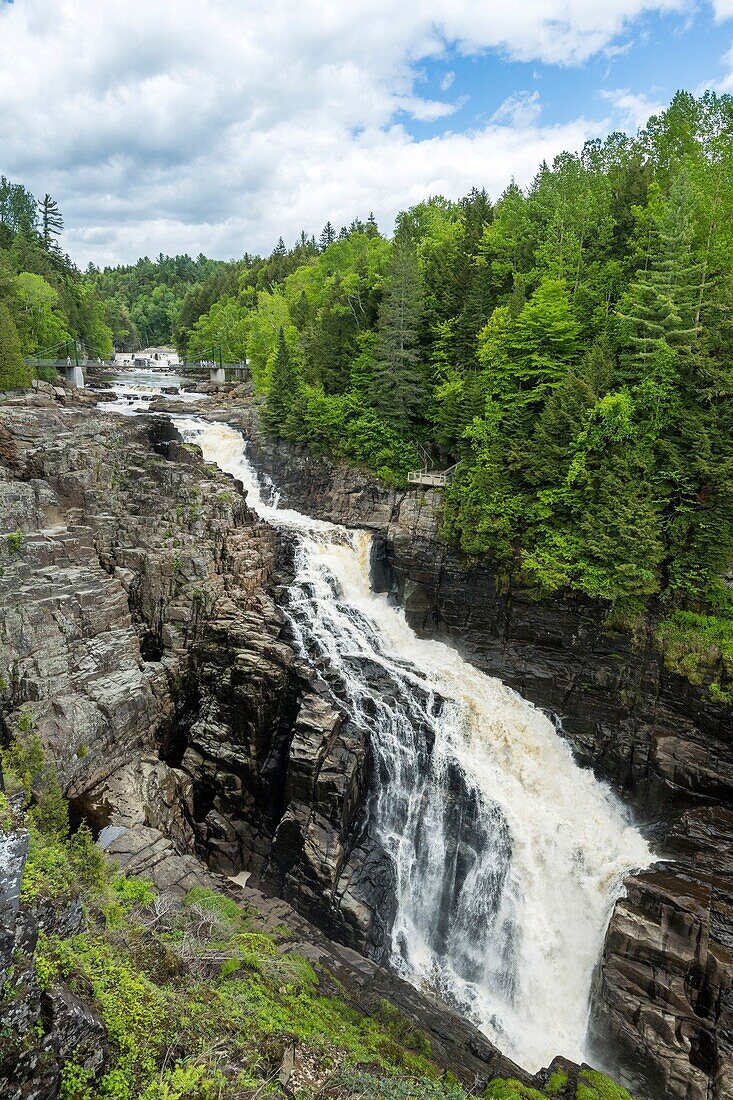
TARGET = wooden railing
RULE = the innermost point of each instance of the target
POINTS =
(435, 479)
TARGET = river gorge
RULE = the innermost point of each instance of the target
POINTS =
(275, 666)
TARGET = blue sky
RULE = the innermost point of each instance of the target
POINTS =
(658, 55)
(218, 125)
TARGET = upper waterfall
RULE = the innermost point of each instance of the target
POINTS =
(507, 856)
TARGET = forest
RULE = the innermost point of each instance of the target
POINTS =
(45, 303)
(569, 345)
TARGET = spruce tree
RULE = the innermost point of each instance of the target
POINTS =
(284, 387)
(328, 236)
(661, 304)
(371, 228)
(14, 374)
(400, 382)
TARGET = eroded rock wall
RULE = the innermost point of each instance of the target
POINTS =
(140, 637)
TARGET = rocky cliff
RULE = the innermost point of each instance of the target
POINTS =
(140, 636)
(141, 641)
(665, 992)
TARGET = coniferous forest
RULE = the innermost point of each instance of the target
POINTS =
(569, 345)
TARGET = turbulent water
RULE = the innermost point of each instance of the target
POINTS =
(135, 389)
(507, 857)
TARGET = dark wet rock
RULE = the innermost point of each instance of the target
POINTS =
(58, 917)
(142, 631)
(666, 993)
(74, 1028)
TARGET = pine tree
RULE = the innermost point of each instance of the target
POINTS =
(400, 382)
(661, 305)
(51, 221)
(328, 236)
(284, 388)
(14, 374)
(371, 228)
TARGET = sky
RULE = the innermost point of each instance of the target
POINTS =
(216, 126)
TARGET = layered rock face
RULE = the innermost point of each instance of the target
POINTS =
(664, 998)
(140, 637)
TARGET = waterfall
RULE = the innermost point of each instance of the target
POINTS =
(507, 856)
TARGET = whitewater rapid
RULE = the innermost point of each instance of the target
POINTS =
(507, 856)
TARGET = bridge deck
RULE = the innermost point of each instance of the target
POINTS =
(432, 479)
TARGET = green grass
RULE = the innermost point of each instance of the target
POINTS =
(700, 648)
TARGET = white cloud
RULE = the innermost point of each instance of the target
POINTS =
(723, 9)
(519, 109)
(186, 125)
(447, 81)
(632, 109)
(424, 110)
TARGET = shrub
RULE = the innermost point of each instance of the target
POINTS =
(15, 541)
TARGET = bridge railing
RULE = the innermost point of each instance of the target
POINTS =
(434, 479)
(207, 366)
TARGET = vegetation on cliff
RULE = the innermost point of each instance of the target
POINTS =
(188, 997)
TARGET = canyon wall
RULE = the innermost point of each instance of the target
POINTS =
(140, 635)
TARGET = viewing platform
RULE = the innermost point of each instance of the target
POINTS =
(432, 479)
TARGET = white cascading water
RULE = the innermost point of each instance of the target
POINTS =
(507, 856)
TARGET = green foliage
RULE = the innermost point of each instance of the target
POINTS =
(14, 541)
(14, 375)
(282, 395)
(7, 817)
(700, 648)
(145, 303)
(214, 902)
(593, 1085)
(39, 318)
(75, 1082)
(358, 1085)
(508, 1089)
(399, 386)
(44, 301)
(556, 1082)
